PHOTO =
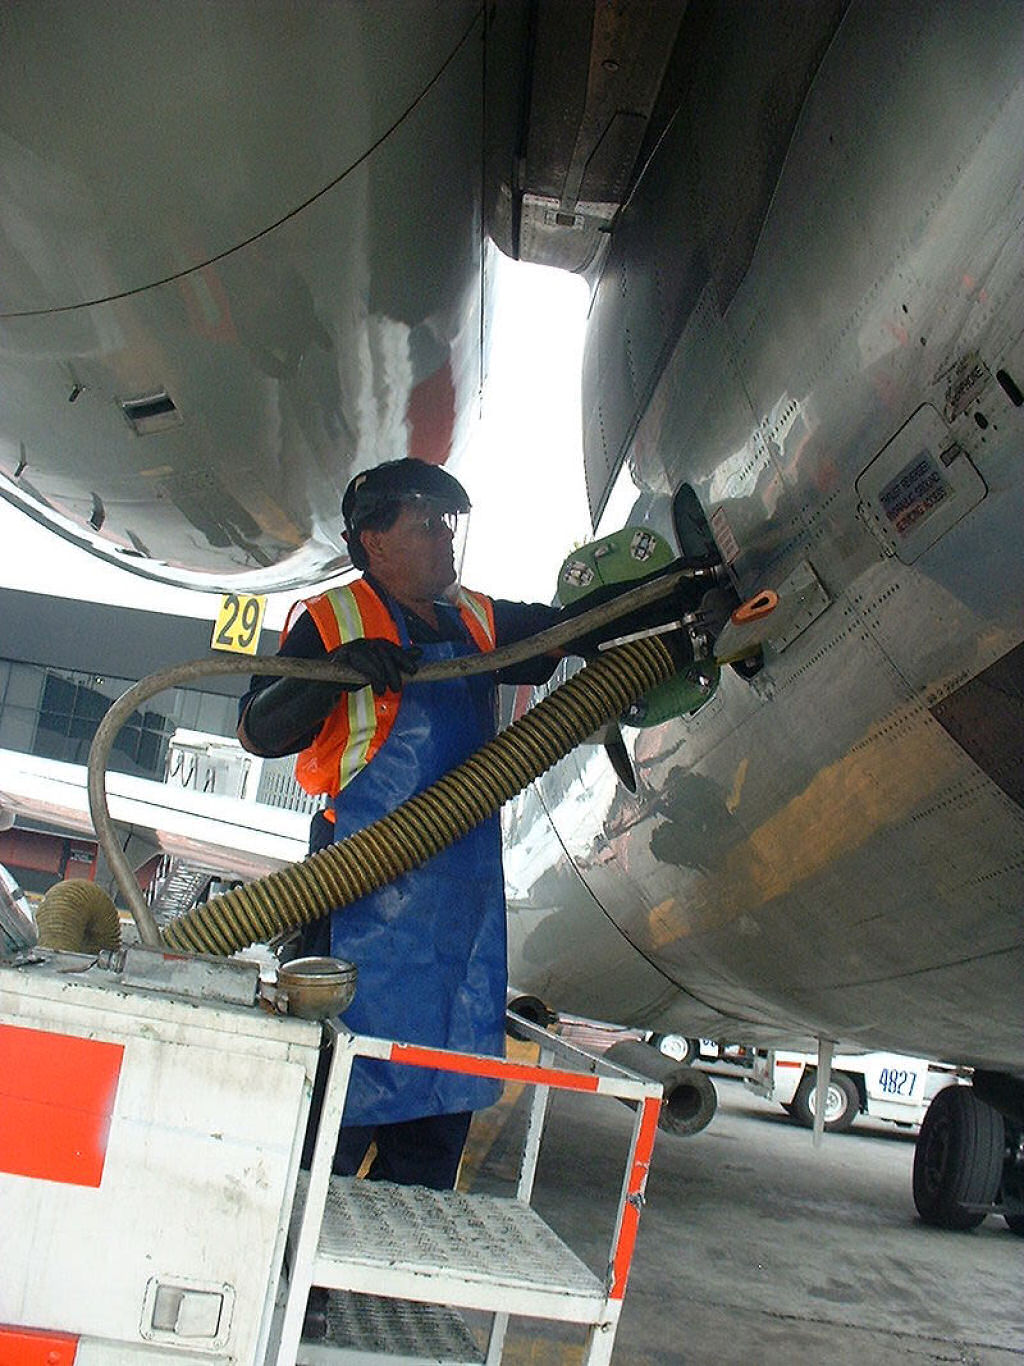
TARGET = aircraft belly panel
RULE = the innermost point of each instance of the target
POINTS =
(562, 945)
(347, 333)
(804, 838)
(843, 316)
(985, 716)
(142, 142)
(694, 218)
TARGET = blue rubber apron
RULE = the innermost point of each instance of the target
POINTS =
(430, 948)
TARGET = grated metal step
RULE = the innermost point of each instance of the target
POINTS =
(444, 1247)
(362, 1328)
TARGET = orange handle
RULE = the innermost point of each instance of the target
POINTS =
(760, 605)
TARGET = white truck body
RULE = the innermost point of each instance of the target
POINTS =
(149, 1151)
(153, 1108)
(891, 1086)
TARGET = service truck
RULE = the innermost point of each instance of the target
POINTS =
(153, 1205)
(888, 1086)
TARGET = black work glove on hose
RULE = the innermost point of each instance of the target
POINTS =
(285, 716)
(381, 663)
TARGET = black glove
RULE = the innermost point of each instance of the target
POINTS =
(285, 716)
(380, 662)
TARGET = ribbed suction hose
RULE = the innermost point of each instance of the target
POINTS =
(78, 917)
(435, 818)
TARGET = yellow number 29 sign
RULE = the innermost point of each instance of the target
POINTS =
(238, 623)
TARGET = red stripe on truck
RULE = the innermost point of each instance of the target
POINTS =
(30, 1347)
(56, 1098)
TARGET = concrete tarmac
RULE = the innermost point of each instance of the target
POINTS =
(756, 1247)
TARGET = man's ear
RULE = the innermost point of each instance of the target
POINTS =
(372, 544)
(355, 547)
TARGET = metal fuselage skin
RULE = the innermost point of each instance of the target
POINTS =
(273, 216)
(264, 221)
(835, 847)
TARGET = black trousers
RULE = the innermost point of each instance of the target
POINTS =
(414, 1152)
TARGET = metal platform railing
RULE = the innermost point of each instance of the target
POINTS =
(381, 1242)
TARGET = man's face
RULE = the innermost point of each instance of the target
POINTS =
(415, 556)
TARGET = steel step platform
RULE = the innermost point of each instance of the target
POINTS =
(445, 1247)
(362, 1329)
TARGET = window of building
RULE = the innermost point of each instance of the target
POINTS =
(55, 714)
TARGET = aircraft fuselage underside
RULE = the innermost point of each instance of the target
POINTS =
(832, 360)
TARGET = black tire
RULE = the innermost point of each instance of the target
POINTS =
(1011, 1194)
(676, 1047)
(958, 1160)
(533, 1009)
(690, 1098)
(690, 1102)
(842, 1101)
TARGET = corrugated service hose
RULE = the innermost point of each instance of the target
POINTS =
(78, 917)
(433, 819)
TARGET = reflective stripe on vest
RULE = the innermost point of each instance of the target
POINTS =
(362, 721)
(477, 613)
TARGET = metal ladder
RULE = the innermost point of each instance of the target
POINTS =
(387, 1245)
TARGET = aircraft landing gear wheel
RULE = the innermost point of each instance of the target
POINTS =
(675, 1046)
(1012, 1193)
(841, 1102)
(958, 1160)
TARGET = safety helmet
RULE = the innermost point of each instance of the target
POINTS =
(376, 495)
(396, 481)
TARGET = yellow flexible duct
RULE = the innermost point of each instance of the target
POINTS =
(554, 638)
(433, 819)
(78, 917)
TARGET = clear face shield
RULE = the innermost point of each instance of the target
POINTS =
(442, 532)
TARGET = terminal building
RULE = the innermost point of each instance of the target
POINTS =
(191, 803)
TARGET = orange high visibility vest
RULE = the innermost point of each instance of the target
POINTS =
(361, 721)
